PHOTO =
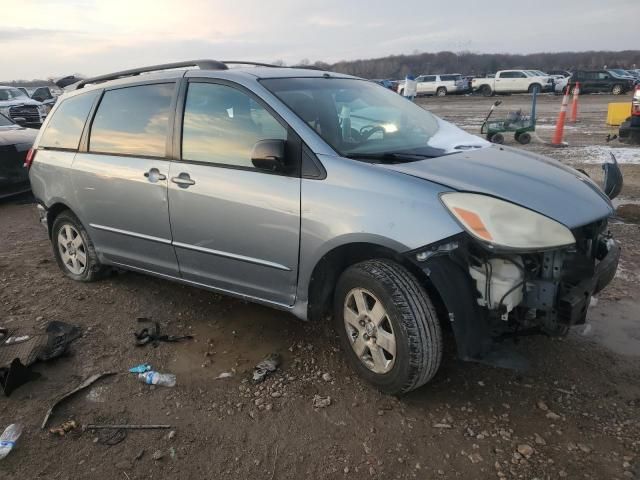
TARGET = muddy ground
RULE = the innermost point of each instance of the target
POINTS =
(576, 414)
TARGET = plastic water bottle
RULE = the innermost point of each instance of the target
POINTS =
(9, 438)
(157, 378)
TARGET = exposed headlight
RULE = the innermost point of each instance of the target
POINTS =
(503, 224)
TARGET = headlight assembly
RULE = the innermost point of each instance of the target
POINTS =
(503, 224)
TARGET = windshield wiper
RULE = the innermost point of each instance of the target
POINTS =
(392, 157)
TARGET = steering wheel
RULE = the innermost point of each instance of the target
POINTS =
(368, 130)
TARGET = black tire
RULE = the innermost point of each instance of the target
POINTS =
(401, 92)
(441, 92)
(93, 269)
(617, 89)
(535, 87)
(412, 317)
(497, 138)
(486, 90)
(524, 138)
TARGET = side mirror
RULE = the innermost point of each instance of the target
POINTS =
(613, 180)
(269, 155)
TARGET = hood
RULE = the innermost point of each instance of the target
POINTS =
(529, 180)
(19, 101)
(14, 135)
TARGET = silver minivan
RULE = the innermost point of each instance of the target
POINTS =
(323, 195)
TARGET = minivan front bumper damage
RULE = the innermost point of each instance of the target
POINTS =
(547, 293)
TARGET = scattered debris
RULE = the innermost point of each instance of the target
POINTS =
(9, 438)
(442, 425)
(83, 385)
(326, 377)
(142, 368)
(224, 375)
(64, 428)
(157, 455)
(525, 450)
(265, 367)
(151, 334)
(553, 416)
(321, 402)
(157, 378)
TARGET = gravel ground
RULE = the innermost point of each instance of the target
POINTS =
(575, 415)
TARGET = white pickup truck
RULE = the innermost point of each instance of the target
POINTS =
(512, 81)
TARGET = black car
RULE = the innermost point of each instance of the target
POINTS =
(600, 81)
(15, 142)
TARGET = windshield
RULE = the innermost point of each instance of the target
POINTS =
(11, 94)
(359, 118)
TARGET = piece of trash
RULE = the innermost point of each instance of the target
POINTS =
(265, 367)
(224, 375)
(82, 386)
(9, 438)
(157, 378)
(19, 352)
(143, 367)
(151, 334)
(64, 428)
(321, 402)
(126, 426)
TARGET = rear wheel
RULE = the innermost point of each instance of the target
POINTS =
(441, 92)
(537, 88)
(523, 138)
(497, 138)
(74, 249)
(616, 90)
(387, 326)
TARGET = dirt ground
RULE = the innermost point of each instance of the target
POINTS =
(575, 415)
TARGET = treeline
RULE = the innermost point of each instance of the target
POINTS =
(468, 63)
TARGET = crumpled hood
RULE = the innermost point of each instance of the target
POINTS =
(532, 181)
(15, 135)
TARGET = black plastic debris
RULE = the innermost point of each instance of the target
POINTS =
(150, 333)
(265, 367)
(18, 351)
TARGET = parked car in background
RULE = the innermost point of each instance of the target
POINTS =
(439, 85)
(562, 73)
(323, 195)
(386, 83)
(23, 110)
(621, 73)
(512, 81)
(600, 81)
(630, 128)
(15, 142)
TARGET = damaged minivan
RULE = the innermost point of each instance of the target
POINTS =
(323, 195)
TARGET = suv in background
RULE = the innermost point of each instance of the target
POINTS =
(439, 85)
(23, 110)
(322, 195)
(600, 81)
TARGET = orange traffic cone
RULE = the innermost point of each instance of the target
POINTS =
(557, 136)
(574, 106)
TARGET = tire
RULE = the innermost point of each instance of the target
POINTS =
(401, 92)
(617, 90)
(497, 138)
(408, 317)
(74, 250)
(486, 90)
(441, 92)
(524, 138)
(535, 87)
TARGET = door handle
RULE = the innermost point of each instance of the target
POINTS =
(183, 180)
(154, 175)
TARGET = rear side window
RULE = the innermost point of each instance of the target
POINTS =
(133, 121)
(65, 127)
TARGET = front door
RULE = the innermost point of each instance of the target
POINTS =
(427, 86)
(235, 227)
(121, 182)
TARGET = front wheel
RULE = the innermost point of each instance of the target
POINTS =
(387, 326)
(74, 250)
(616, 90)
(486, 90)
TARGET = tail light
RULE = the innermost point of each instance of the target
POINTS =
(28, 160)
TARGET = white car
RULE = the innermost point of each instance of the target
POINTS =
(439, 85)
(513, 81)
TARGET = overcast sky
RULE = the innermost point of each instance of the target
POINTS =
(42, 38)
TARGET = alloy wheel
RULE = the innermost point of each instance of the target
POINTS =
(72, 249)
(369, 330)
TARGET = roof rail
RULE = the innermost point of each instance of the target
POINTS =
(256, 64)
(202, 64)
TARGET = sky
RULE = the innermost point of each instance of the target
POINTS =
(54, 38)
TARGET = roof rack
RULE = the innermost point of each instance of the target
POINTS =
(202, 64)
(256, 64)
